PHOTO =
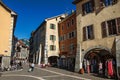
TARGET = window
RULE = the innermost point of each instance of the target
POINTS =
(73, 34)
(68, 24)
(61, 38)
(70, 35)
(52, 37)
(110, 27)
(88, 7)
(64, 37)
(109, 2)
(52, 26)
(52, 47)
(63, 47)
(72, 21)
(71, 47)
(88, 33)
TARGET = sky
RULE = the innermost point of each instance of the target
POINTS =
(31, 13)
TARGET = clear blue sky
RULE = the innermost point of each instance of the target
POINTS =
(32, 12)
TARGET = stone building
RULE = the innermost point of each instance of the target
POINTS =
(98, 29)
(7, 27)
(44, 41)
(22, 50)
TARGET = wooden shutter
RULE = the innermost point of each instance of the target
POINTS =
(92, 32)
(84, 34)
(83, 10)
(118, 25)
(93, 5)
(104, 30)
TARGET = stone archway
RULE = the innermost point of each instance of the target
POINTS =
(96, 55)
(99, 47)
(53, 60)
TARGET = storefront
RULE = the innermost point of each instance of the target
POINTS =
(101, 62)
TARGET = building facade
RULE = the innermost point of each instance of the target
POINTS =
(67, 42)
(45, 41)
(98, 23)
(7, 23)
(22, 50)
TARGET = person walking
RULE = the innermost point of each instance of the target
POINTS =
(32, 66)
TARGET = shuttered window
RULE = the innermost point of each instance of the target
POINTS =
(88, 33)
(52, 37)
(52, 47)
(88, 7)
(52, 26)
(111, 27)
(109, 2)
(118, 25)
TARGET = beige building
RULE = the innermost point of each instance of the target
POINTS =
(98, 29)
(45, 41)
(7, 27)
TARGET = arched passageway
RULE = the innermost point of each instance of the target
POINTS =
(53, 60)
(100, 61)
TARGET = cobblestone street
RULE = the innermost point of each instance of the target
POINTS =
(48, 73)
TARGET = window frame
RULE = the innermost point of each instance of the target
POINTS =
(86, 35)
(52, 47)
(107, 30)
(52, 26)
(88, 7)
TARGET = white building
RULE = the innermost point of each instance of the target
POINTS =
(46, 41)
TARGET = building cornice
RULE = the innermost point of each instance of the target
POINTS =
(76, 1)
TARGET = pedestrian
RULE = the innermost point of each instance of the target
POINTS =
(100, 67)
(88, 66)
(32, 66)
(20, 64)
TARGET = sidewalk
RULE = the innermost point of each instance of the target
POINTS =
(91, 76)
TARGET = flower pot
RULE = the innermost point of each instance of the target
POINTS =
(82, 71)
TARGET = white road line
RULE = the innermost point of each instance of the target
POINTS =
(11, 71)
(39, 78)
(53, 76)
(63, 74)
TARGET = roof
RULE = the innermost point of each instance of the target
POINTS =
(76, 1)
(61, 15)
(68, 16)
(8, 9)
(44, 22)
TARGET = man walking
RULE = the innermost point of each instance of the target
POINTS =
(32, 66)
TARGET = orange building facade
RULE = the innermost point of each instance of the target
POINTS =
(67, 42)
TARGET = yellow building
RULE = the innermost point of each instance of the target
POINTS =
(7, 27)
(98, 29)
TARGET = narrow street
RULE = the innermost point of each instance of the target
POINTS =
(48, 73)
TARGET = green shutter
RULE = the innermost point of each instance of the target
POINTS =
(50, 47)
(50, 37)
(54, 38)
(54, 26)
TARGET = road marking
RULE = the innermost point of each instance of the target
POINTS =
(12, 71)
(53, 76)
(39, 78)
(63, 74)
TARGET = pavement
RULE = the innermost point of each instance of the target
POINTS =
(48, 73)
